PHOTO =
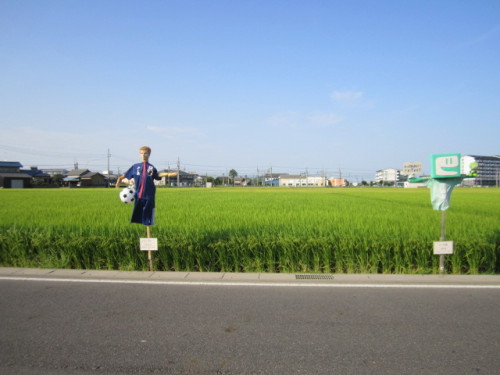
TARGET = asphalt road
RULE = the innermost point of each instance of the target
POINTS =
(65, 325)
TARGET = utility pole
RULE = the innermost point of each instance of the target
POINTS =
(168, 174)
(178, 172)
(107, 173)
(109, 156)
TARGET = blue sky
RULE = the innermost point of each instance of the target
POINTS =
(337, 86)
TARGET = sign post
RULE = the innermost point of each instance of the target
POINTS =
(442, 247)
(445, 175)
(149, 244)
(442, 238)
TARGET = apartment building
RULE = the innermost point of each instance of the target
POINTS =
(484, 169)
(387, 175)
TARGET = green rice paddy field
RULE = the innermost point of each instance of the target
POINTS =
(354, 230)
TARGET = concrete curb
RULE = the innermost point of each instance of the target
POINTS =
(11, 273)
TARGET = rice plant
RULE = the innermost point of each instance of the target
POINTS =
(252, 230)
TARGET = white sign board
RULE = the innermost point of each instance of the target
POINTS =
(443, 247)
(149, 244)
(413, 168)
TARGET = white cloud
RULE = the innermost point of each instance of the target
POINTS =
(346, 95)
(175, 131)
(284, 119)
(487, 35)
(325, 119)
(296, 120)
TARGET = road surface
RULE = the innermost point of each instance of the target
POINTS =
(76, 322)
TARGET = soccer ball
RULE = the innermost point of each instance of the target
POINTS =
(127, 195)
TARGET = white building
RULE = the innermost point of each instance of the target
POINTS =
(387, 175)
(53, 172)
(486, 170)
(273, 179)
(302, 181)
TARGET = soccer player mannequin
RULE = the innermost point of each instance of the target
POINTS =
(143, 174)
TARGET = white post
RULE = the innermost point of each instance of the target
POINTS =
(150, 258)
(441, 257)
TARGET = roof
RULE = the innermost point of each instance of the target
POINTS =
(482, 157)
(175, 171)
(77, 177)
(54, 171)
(15, 175)
(275, 175)
(10, 164)
(299, 177)
(91, 174)
(78, 172)
(35, 172)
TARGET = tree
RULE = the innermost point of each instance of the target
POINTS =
(233, 174)
(57, 179)
(36, 181)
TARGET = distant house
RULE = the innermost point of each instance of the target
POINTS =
(242, 181)
(273, 179)
(84, 178)
(93, 179)
(178, 178)
(53, 172)
(110, 177)
(12, 177)
(337, 182)
(38, 177)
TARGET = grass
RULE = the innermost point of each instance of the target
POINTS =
(377, 230)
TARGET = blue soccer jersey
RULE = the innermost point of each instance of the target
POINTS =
(144, 175)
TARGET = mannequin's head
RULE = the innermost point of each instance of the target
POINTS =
(145, 152)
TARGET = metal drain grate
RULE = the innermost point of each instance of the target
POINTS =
(313, 277)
